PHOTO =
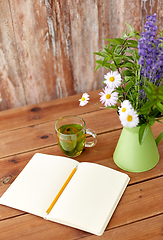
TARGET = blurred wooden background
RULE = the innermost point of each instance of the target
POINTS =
(46, 46)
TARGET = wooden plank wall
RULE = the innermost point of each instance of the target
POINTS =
(46, 46)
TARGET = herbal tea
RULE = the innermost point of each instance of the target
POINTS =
(72, 136)
(71, 139)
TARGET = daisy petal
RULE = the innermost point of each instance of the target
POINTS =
(108, 97)
(130, 118)
(125, 105)
(84, 99)
(113, 79)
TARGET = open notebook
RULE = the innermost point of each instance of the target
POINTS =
(87, 202)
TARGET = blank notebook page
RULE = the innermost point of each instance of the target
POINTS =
(38, 183)
(90, 198)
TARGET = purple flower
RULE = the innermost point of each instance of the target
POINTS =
(151, 53)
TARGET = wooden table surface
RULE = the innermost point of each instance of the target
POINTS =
(27, 130)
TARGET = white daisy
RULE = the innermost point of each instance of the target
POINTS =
(84, 99)
(130, 118)
(108, 97)
(125, 105)
(113, 79)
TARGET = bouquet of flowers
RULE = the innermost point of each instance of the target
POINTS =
(133, 84)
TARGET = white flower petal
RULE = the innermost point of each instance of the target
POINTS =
(113, 79)
(84, 99)
(108, 97)
(130, 118)
(125, 105)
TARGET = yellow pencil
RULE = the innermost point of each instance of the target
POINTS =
(61, 190)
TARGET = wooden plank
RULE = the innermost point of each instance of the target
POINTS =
(11, 87)
(46, 47)
(28, 226)
(10, 167)
(131, 15)
(101, 153)
(151, 229)
(43, 135)
(102, 121)
(46, 111)
(54, 109)
(26, 139)
(35, 54)
(139, 202)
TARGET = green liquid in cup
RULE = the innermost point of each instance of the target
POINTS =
(72, 139)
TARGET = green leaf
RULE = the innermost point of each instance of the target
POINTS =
(101, 54)
(113, 49)
(119, 56)
(159, 138)
(159, 106)
(99, 62)
(109, 44)
(97, 67)
(107, 51)
(131, 34)
(128, 73)
(97, 53)
(124, 35)
(150, 85)
(143, 132)
(146, 107)
(105, 61)
(132, 45)
(161, 88)
(128, 64)
(127, 58)
(116, 40)
(159, 120)
(133, 42)
(151, 94)
(128, 85)
(111, 107)
(154, 112)
(131, 29)
(151, 120)
(160, 97)
(137, 35)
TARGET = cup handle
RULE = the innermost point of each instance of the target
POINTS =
(93, 134)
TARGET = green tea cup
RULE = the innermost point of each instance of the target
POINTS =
(71, 134)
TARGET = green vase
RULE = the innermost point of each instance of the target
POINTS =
(129, 155)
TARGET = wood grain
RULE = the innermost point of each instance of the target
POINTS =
(46, 46)
(139, 213)
(136, 197)
(11, 87)
(147, 229)
(46, 111)
(43, 135)
(10, 166)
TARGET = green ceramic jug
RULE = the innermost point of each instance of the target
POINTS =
(129, 155)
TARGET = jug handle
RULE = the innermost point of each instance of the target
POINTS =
(159, 138)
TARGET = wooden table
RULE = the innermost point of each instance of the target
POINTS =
(27, 130)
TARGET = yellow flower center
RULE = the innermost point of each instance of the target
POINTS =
(108, 96)
(124, 109)
(129, 118)
(111, 79)
(83, 99)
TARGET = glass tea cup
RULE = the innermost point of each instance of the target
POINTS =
(71, 134)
